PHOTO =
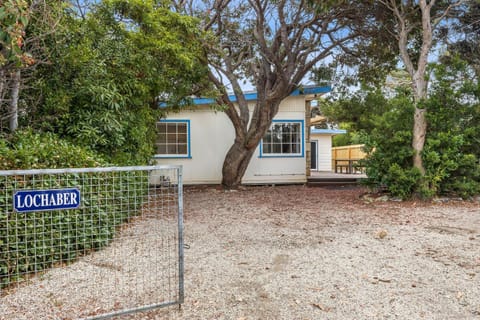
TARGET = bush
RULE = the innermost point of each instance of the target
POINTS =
(29, 150)
(33, 241)
(450, 166)
(451, 153)
(389, 164)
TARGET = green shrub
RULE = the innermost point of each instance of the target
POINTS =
(29, 150)
(389, 164)
(451, 153)
(402, 182)
(450, 167)
(33, 241)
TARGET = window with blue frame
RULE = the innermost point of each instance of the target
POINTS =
(283, 139)
(173, 138)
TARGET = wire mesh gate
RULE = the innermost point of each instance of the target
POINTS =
(90, 243)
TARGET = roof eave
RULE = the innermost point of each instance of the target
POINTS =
(312, 91)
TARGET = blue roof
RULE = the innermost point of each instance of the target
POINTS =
(252, 96)
(327, 131)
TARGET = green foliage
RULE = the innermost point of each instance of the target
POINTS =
(323, 75)
(402, 182)
(451, 153)
(358, 114)
(32, 242)
(349, 138)
(29, 150)
(468, 46)
(452, 149)
(389, 163)
(14, 18)
(110, 70)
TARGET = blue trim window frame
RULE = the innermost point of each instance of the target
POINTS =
(284, 139)
(173, 139)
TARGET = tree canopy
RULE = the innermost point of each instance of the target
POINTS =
(106, 71)
(273, 45)
(415, 39)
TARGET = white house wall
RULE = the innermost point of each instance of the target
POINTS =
(324, 151)
(212, 134)
(284, 169)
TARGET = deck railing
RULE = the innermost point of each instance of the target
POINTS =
(345, 159)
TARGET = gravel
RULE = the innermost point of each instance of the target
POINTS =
(293, 252)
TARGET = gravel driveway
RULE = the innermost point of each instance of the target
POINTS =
(293, 252)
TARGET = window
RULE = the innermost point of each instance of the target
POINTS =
(173, 138)
(283, 139)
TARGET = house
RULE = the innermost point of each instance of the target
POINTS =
(199, 137)
(321, 148)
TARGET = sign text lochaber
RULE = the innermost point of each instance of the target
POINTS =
(41, 200)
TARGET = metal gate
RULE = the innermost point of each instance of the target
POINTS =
(90, 243)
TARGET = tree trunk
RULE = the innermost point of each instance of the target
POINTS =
(418, 141)
(13, 110)
(416, 70)
(235, 164)
(2, 85)
(419, 87)
(247, 138)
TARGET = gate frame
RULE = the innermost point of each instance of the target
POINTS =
(180, 224)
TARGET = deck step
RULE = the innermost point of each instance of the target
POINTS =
(332, 181)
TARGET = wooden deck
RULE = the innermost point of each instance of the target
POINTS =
(323, 178)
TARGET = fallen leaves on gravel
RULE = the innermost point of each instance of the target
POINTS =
(321, 307)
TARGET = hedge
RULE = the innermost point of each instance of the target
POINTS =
(34, 241)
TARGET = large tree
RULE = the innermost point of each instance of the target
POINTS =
(416, 25)
(272, 44)
(111, 65)
(24, 24)
(413, 32)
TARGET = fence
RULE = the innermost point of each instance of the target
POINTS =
(96, 242)
(345, 158)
